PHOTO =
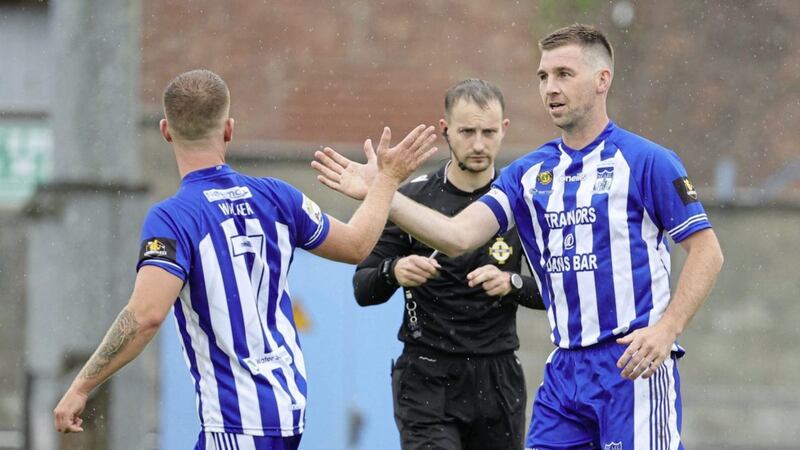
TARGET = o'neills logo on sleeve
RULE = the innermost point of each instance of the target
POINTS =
(234, 193)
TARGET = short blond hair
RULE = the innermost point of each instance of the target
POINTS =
(196, 103)
(585, 36)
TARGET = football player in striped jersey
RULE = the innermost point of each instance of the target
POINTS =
(219, 251)
(594, 210)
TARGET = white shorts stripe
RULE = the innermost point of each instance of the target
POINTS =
(655, 417)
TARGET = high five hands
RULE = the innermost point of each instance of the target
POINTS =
(353, 179)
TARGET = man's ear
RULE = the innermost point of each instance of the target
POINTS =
(164, 127)
(228, 133)
(604, 77)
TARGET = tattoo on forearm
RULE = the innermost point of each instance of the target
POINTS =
(121, 333)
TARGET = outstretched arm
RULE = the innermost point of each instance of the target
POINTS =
(453, 236)
(649, 347)
(153, 294)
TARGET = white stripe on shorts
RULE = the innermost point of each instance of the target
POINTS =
(655, 416)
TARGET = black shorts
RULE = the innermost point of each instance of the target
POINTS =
(448, 402)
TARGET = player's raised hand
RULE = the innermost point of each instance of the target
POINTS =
(402, 160)
(66, 415)
(343, 175)
(493, 280)
(415, 270)
(647, 349)
(353, 179)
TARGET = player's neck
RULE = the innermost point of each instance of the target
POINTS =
(466, 180)
(198, 155)
(583, 134)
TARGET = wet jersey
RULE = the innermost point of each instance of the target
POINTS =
(594, 224)
(231, 239)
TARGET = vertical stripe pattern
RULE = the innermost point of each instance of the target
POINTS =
(592, 223)
(656, 409)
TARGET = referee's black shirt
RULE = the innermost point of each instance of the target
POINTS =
(452, 317)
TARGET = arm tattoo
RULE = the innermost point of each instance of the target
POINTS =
(121, 333)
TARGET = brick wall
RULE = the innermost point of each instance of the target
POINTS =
(709, 79)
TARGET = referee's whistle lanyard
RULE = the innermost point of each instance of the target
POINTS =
(411, 311)
(411, 308)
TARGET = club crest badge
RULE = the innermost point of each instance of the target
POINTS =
(545, 178)
(605, 178)
(500, 250)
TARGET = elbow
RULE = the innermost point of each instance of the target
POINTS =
(149, 324)
(456, 248)
(358, 254)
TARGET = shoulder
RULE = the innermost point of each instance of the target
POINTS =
(272, 187)
(637, 148)
(532, 158)
(167, 208)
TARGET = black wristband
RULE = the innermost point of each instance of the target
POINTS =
(386, 270)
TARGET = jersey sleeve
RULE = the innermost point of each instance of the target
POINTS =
(500, 198)
(672, 198)
(163, 245)
(310, 225)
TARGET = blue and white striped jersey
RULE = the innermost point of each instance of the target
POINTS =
(231, 238)
(593, 223)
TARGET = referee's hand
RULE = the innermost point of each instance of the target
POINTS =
(415, 270)
(493, 280)
(66, 416)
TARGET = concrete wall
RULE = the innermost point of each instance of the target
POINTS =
(25, 53)
(13, 257)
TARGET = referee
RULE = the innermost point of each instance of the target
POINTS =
(458, 384)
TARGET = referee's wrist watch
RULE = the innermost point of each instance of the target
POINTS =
(386, 271)
(516, 283)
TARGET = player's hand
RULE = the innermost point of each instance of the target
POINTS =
(343, 175)
(415, 270)
(402, 160)
(353, 179)
(493, 280)
(647, 349)
(66, 415)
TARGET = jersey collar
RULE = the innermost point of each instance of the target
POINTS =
(586, 150)
(208, 172)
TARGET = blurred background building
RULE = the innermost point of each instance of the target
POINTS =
(718, 81)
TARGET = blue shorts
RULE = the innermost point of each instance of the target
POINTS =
(230, 441)
(584, 403)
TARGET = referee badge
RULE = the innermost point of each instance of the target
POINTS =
(500, 250)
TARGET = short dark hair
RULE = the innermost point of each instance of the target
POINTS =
(195, 103)
(480, 92)
(580, 34)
